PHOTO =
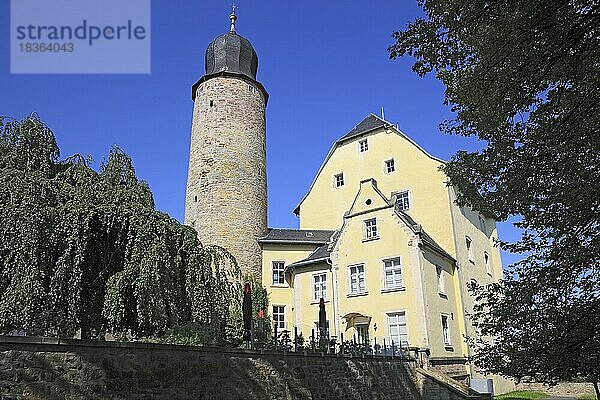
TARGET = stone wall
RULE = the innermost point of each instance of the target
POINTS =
(34, 368)
(567, 389)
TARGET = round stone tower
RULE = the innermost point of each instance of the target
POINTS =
(226, 196)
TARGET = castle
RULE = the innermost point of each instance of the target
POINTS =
(381, 239)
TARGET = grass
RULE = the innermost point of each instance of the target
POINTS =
(520, 395)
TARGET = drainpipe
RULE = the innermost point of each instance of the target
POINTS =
(335, 298)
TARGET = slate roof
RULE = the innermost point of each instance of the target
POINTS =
(320, 254)
(368, 124)
(233, 53)
(299, 236)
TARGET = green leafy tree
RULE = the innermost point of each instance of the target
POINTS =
(523, 78)
(87, 251)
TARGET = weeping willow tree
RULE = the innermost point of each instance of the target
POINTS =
(87, 251)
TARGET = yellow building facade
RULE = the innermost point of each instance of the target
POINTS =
(382, 241)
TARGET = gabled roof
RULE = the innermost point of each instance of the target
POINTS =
(296, 236)
(366, 125)
(369, 124)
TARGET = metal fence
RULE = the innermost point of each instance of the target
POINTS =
(292, 341)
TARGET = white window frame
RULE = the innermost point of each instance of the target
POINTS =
(364, 279)
(338, 180)
(321, 283)
(387, 164)
(407, 199)
(441, 280)
(388, 315)
(486, 260)
(277, 321)
(393, 269)
(469, 246)
(273, 283)
(371, 230)
(363, 145)
(446, 335)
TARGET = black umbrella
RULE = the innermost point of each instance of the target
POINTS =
(322, 319)
(247, 311)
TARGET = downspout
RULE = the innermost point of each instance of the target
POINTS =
(335, 299)
(424, 292)
(460, 282)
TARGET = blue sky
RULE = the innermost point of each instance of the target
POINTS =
(324, 64)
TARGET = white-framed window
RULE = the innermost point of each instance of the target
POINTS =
(319, 286)
(469, 245)
(446, 330)
(371, 228)
(338, 180)
(362, 333)
(363, 145)
(441, 280)
(403, 200)
(279, 316)
(390, 166)
(392, 272)
(356, 274)
(278, 273)
(488, 267)
(398, 328)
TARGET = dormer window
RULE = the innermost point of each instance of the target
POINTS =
(363, 145)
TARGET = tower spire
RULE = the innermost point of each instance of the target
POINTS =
(232, 17)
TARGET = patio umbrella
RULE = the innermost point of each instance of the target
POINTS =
(247, 311)
(322, 318)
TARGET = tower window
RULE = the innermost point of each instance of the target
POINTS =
(390, 166)
(195, 199)
(338, 180)
(363, 145)
(212, 103)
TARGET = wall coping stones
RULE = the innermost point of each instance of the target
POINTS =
(452, 385)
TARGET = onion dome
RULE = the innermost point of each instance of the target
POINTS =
(231, 53)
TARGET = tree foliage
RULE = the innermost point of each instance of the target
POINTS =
(523, 77)
(86, 250)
